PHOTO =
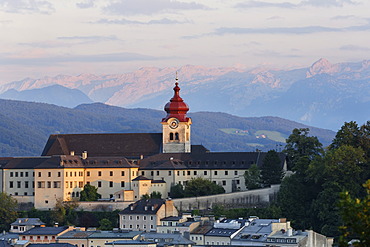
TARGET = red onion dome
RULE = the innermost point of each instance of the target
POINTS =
(176, 108)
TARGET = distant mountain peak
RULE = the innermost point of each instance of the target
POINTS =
(322, 66)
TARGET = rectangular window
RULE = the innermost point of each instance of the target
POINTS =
(75, 174)
(216, 173)
(71, 174)
(157, 173)
(237, 181)
(66, 184)
(88, 182)
(49, 184)
(195, 173)
(226, 173)
(80, 184)
(223, 182)
(26, 174)
(99, 184)
(40, 184)
(59, 174)
(122, 183)
(142, 173)
(21, 174)
(66, 174)
(18, 184)
(49, 174)
(56, 184)
(235, 172)
(110, 183)
(88, 174)
(178, 173)
(111, 173)
(188, 173)
(39, 174)
(26, 184)
(25, 193)
(11, 174)
(99, 173)
(10, 184)
(70, 184)
(169, 173)
(205, 173)
(16, 174)
(122, 173)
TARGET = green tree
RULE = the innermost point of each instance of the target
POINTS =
(89, 193)
(154, 194)
(355, 213)
(177, 191)
(64, 213)
(271, 170)
(252, 177)
(8, 213)
(202, 187)
(301, 149)
(105, 224)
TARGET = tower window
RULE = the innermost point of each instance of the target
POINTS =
(176, 136)
(171, 136)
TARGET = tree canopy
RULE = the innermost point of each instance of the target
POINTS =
(271, 171)
(202, 187)
(8, 213)
(252, 177)
(89, 193)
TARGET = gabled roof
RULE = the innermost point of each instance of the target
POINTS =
(45, 230)
(138, 178)
(99, 145)
(27, 222)
(144, 206)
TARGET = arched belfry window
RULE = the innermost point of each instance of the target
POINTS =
(171, 136)
(176, 136)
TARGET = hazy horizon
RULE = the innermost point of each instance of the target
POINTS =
(47, 38)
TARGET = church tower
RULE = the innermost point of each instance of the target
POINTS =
(176, 125)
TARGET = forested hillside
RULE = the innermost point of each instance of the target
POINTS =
(25, 126)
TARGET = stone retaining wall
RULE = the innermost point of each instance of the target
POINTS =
(248, 198)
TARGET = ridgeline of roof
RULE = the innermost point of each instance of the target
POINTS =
(210, 160)
(28, 222)
(102, 145)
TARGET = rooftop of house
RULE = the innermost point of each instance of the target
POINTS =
(130, 242)
(221, 232)
(27, 222)
(104, 145)
(144, 206)
(257, 231)
(99, 234)
(163, 239)
(45, 230)
(51, 245)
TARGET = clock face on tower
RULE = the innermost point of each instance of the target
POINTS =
(174, 123)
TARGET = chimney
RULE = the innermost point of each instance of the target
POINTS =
(290, 232)
(72, 153)
(84, 155)
(141, 157)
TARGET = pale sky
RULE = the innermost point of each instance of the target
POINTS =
(50, 37)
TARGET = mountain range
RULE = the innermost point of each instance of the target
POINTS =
(324, 95)
(26, 126)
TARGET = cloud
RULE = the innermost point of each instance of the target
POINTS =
(128, 22)
(316, 3)
(327, 3)
(26, 6)
(260, 4)
(354, 48)
(343, 17)
(68, 40)
(86, 4)
(148, 7)
(6, 59)
(88, 39)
